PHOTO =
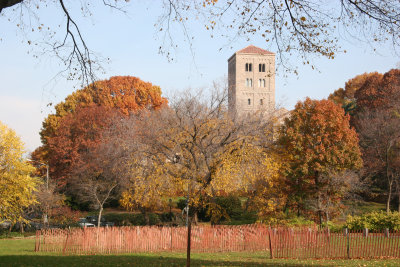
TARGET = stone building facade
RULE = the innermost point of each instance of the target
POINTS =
(251, 81)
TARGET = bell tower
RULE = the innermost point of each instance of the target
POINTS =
(251, 81)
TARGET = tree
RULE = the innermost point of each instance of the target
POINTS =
(304, 27)
(346, 97)
(77, 134)
(98, 176)
(125, 93)
(379, 92)
(17, 187)
(380, 139)
(317, 142)
(78, 121)
(187, 145)
(375, 119)
(52, 205)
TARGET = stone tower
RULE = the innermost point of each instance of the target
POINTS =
(251, 81)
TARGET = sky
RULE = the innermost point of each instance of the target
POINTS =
(132, 42)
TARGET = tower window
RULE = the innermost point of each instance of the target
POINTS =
(249, 67)
(249, 101)
(249, 82)
(259, 82)
(263, 82)
(261, 67)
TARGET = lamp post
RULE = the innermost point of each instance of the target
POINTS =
(176, 160)
(45, 219)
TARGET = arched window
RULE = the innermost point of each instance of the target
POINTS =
(251, 82)
(261, 67)
(247, 66)
(263, 83)
(250, 67)
(249, 101)
(259, 82)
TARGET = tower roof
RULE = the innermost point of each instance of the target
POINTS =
(251, 49)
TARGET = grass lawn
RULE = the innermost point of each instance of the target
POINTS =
(19, 252)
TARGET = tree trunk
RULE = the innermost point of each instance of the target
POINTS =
(389, 197)
(398, 194)
(99, 218)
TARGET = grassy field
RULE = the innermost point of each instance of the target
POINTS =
(19, 252)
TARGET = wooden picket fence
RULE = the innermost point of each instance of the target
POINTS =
(110, 240)
(275, 242)
(308, 243)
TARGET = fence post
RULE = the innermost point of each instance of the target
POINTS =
(66, 242)
(171, 236)
(365, 232)
(387, 232)
(270, 244)
(347, 235)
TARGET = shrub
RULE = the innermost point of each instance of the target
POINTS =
(232, 206)
(375, 221)
(130, 219)
(334, 227)
(284, 220)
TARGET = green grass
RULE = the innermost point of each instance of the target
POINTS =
(19, 252)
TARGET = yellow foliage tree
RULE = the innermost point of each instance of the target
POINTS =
(195, 148)
(16, 184)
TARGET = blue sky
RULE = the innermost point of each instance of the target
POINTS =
(131, 42)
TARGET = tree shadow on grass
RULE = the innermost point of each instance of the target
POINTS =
(131, 260)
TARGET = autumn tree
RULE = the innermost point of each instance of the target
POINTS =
(98, 177)
(76, 125)
(48, 201)
(317, 143)
(380, 139)
(125, 93)
(377, 122)
(17, 187)
(346, 96)
(379, 92)
(187, 146)
(77, 134)
(189, 142)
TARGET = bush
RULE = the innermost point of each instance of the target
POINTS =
(232, 206)
(333, 227)
(131, 219)
(284, 220)
(374, 221)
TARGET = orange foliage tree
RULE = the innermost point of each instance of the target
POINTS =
(318, 144)
(379, 91)
(77, 124)
(345, 96)
(377, 121)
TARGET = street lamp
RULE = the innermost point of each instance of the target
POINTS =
(176, 160)
(45, 219)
